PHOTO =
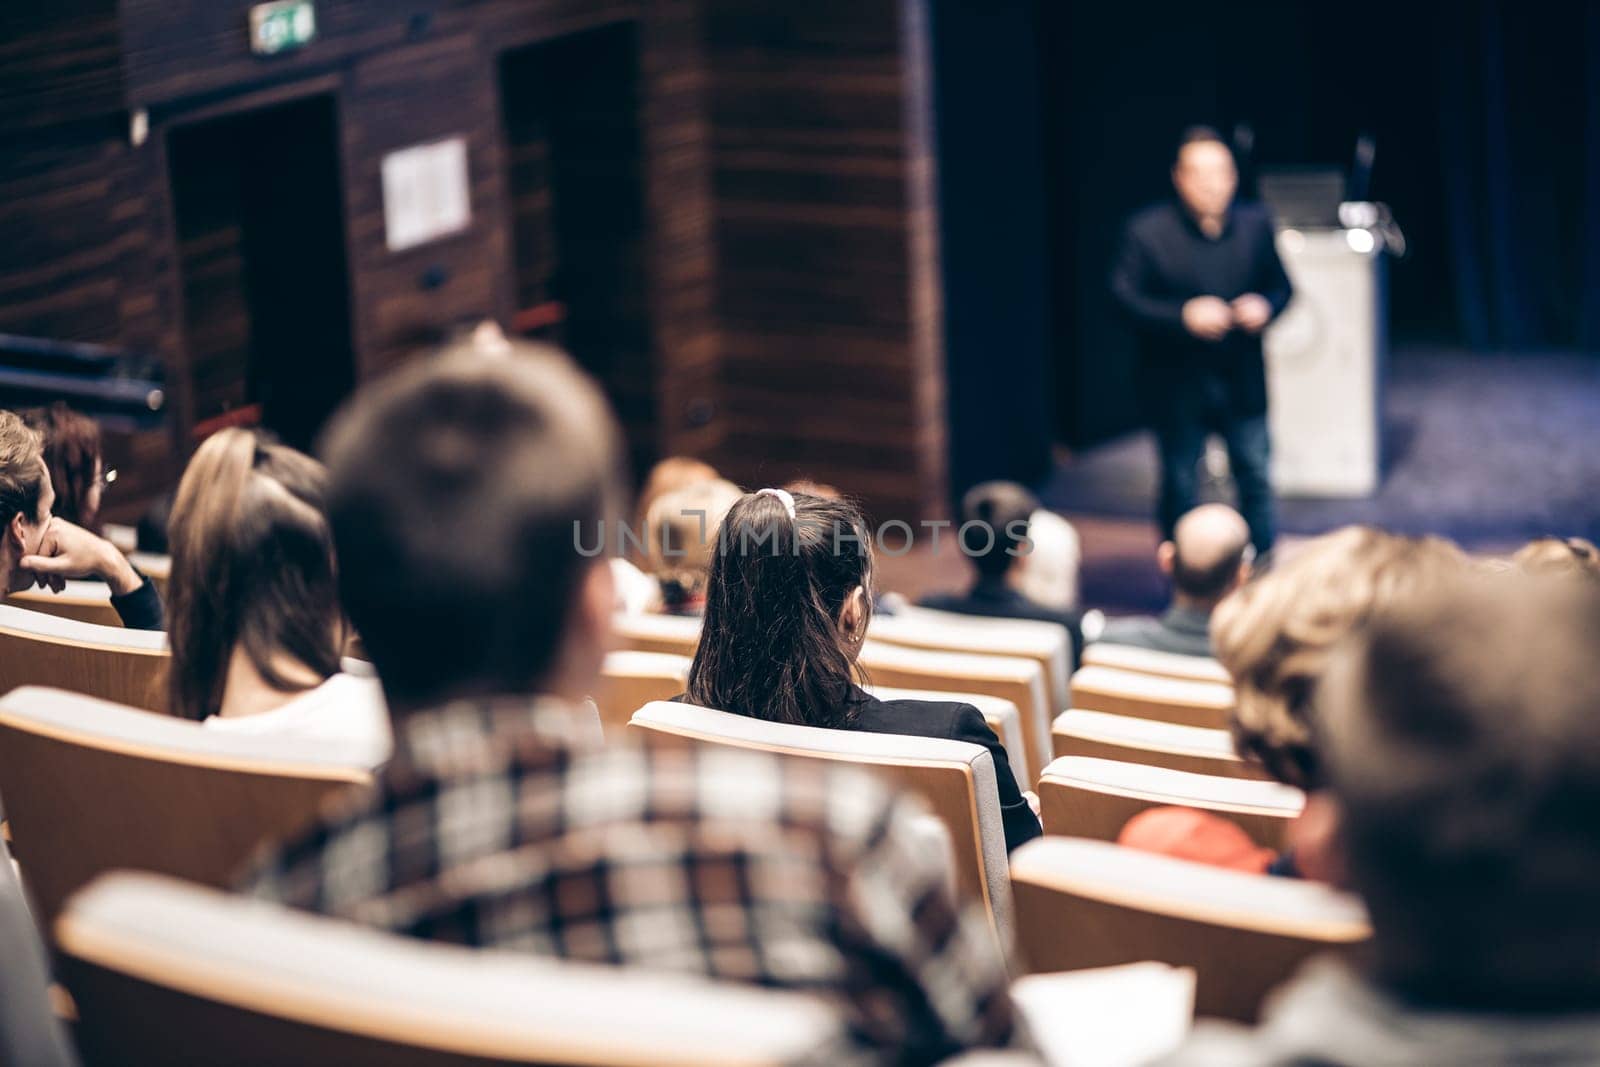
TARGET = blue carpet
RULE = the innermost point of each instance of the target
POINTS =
(1488, 449)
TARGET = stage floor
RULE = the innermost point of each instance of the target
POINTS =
(1487, 449)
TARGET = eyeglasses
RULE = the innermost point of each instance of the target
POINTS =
(107, 478)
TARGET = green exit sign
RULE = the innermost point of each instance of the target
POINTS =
(281, 26)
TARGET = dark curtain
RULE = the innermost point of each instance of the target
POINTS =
(1519, 122)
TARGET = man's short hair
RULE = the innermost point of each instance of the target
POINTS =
(1005, 507)
(458, 488)
(22, 469)
(1460, 735)
(1197, 134)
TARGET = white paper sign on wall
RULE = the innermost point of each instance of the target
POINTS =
(426, 193)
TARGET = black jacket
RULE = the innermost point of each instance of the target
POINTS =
(1164, 262)
(141, 609)
(958, 722)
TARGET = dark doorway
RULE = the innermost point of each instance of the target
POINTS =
(571, 112)
(261, 253)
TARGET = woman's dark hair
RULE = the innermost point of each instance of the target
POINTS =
(771, 646)
(72, 452)
(252, 566)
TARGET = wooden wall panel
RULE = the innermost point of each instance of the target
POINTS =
(826, 260)
(394, 99)
(60, 62)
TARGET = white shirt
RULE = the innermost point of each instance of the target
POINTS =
(347, 711)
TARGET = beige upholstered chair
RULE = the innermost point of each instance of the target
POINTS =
(174, 973)
(956, 779)
(629, 680)
(91, 786)
(1081, 797)
(1162, 664)
(84, 601)
(1047, 643)
(1094, 904)
(126, 666)
(1148, 696)
(677, 634)
(1152, 742)
(1021, 681)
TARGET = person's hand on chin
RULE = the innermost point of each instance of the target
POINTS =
(69, 551)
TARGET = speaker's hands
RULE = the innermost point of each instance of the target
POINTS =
(1208, 317)
(1251, 312)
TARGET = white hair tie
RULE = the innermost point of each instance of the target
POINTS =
(783, 496)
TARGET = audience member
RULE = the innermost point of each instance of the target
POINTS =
(77, 469)
(1206, 559)
(457, 487)
(787, 610)
(1463, 760)
(1274, 635)
(995, 519)
(254, 620)
(682, 527)
(40, 549)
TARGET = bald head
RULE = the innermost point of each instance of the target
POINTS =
(1206, 553)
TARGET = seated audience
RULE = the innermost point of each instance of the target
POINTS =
(1463, 761)
(638, 590)
(456, 485)
(77, 469)
(42, 550)
(787, 610)
(254, 620)
(1559, 555)
(682, 527)
(996, 518)
(1206, 559)
(1275, 633)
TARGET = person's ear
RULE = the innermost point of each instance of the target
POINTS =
(1316, 839)
(853, 616)
(1167, 557)
(17, 533)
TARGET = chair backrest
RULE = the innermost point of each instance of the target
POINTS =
(629, 680)
(1001, 715)
(30, 1033)
(1093, 904)
(91, 786)
(1048, 643)
(677, 634)
(955, 778)
(1161, 664)
(1012, 678)
(125, 666)
(1196, 749)
(84, 601)
(1149, 696)
(1082, 797)
(188, 975)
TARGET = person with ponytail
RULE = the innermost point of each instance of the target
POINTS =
(787, 609)
(253, 619)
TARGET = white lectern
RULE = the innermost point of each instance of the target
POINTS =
(1325, 359)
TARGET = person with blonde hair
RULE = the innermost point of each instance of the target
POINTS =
(254, 620)
(1274, 634)
(683, 535)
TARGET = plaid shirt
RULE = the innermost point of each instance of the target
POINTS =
(500, 824)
